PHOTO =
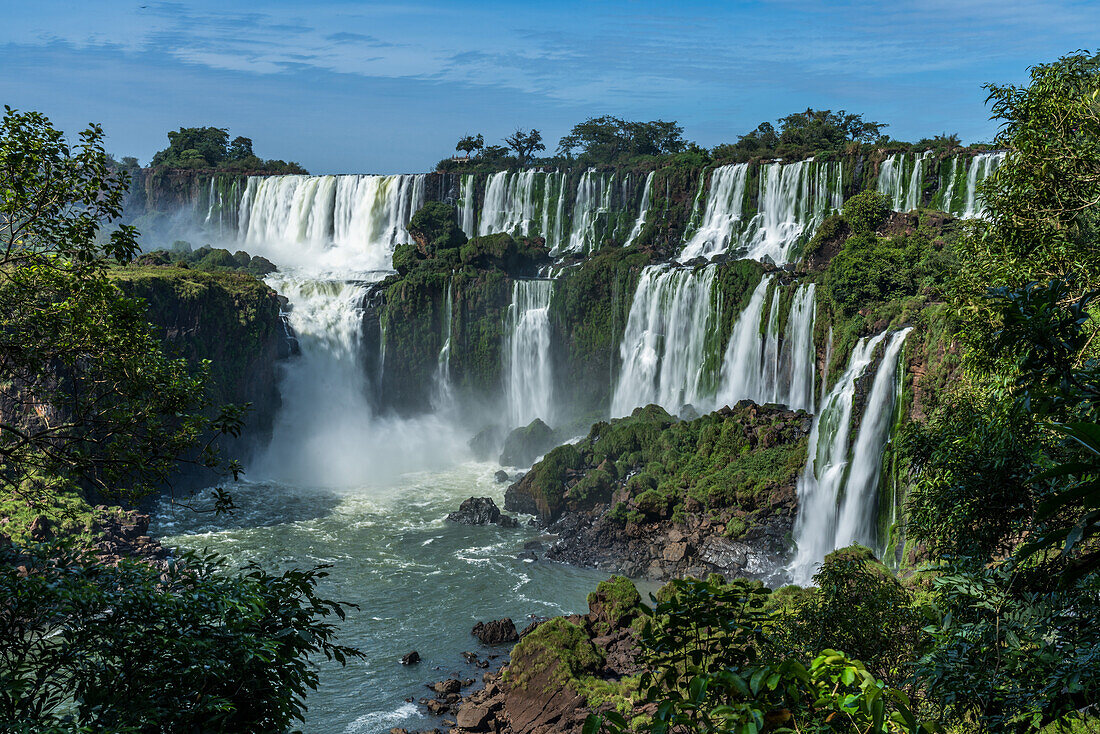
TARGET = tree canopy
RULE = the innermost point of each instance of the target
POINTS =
(210, 147)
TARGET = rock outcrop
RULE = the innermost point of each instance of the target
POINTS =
(481, 511)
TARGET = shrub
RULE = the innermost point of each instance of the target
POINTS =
(866, 211)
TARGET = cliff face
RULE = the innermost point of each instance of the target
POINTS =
(231, 319)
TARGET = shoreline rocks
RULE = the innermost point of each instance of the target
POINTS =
(481, 511)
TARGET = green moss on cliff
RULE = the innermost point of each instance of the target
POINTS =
(558, 646)
(229, 318)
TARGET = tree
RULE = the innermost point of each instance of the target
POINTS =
(470, 143)
(607, 139)
(90, 401)
(208, 145)
(240, 148)
(525, 143)
(815, 130)
(190, 647)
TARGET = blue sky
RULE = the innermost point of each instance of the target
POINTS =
(390, 86)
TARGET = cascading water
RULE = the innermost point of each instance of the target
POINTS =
(643, 210)
(901, 178)
(856, 522)
(742, 376)
(593, 199)
(510, 204)
(329, 223)
(443, 396)
(529, 372)
(837, 487)
(467, 213)
(722, 215)
(798, 357)
(792, 199)
(663, 350)
(980, 167)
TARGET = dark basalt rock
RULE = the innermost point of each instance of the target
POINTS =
(501, 476)
(411, 659)
(476, 511)
(481, 511)
(495, 632)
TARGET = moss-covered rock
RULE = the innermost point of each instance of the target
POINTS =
(615, 602)
(524, 445)
(558, 647)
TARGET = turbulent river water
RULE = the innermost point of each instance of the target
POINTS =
(421, 583)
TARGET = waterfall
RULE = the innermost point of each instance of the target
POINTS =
(528, 369)
(329, 223)
(325, 396)
(799, 355)
(837, 487)
(905, 191)
(742, 374)
(593, 199)
(443, 396)
(977, 171)
(792, 200)
(467, 195)
(856, 523)
(509, 204)
(722, 214)
(643, 210)
(663, 350)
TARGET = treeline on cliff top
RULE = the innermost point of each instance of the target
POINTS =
(209, 148)
(613, 141)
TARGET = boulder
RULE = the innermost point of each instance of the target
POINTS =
(411, 659)
(495, 632)
(476, 511)
(526, 444)
(501, 476)
(473, 717)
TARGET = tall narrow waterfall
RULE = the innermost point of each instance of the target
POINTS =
(837, 489)
(443, 396)
(467, 195)
(792, 199)
(799, 355)
(742, 373)
(977, 171)
(663, 350)
(529, 372)
(856, 523)
(329, 222)
(643, 210)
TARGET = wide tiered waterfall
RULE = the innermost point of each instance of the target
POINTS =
(901, 178)
(664, 346)
(670, 356)
(339, 222)
(529, 372)
(791, 200)
(836, 491)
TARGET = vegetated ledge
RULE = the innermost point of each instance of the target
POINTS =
(654, 496)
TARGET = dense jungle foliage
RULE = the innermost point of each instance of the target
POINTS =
(93, 410)
(991, 627)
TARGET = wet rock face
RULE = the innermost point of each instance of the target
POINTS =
(495, 632)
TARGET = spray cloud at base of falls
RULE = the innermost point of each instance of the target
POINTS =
(529, 372)
(837, 488)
